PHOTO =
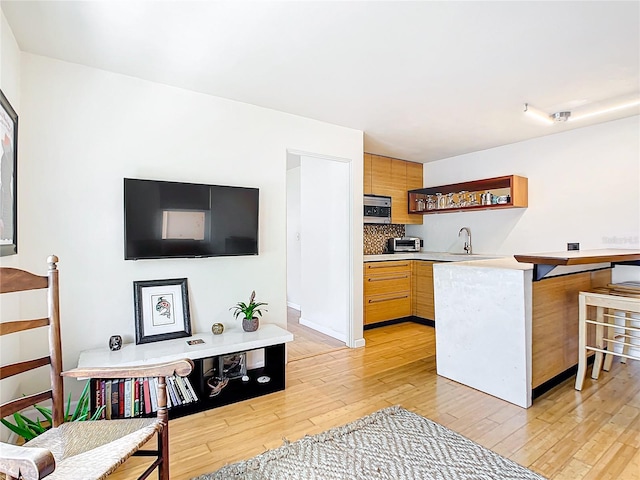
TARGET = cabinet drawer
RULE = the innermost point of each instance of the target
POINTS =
(387, 282)
(378, 308)
(377, 268)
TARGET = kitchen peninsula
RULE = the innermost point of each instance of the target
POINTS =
(510, 333)
(399, 286)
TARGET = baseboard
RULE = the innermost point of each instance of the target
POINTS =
(359, 343)
(295, 306)
(558, 379)
(411, 318)
(322, 329)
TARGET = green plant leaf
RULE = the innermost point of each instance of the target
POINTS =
(98, 413)
(46, 412)
(22, 432)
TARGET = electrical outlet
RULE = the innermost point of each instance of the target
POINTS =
(573, 246)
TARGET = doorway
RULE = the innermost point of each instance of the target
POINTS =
(319, 252)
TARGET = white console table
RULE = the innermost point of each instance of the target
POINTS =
(269, 337)
(231, 341)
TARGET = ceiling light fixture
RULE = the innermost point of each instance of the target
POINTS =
(566, 115)
(622, 106)
(538, 114)
(561, 116)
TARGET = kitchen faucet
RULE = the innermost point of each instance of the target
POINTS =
(467, 243)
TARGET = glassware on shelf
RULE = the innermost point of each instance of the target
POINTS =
(450, 202)
(441, 201)
(463, 199)
(431, 202)
(420, 204)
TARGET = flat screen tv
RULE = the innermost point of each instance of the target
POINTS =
(187, 220)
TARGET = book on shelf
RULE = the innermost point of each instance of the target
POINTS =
(115, 398)
(107, 399)
(134, 397)
(135, 408)
(121, 398)
(147, 395)
(186, 396)
(153, 391)
(103, 397)
(127, 398)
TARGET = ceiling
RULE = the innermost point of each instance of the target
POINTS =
(424, 80)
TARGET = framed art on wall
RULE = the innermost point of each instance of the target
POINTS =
(8, 178)
(161, 310)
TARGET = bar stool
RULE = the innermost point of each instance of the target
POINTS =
(610, 303)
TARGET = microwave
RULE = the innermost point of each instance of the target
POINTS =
(377, 209)
(404, 244)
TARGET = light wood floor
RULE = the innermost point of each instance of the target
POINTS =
(593, 434)
(306, 341)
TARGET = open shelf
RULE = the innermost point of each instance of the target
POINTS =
(512, 187)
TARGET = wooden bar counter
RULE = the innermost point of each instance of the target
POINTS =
(509, 327)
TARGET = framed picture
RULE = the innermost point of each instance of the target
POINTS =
(233, 366)
(8, 178)
(161, 310)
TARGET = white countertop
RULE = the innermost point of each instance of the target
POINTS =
(231, 341)
(508, 263)
(432, 256)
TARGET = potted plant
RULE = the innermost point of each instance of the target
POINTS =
(29, 429)
(250, 312)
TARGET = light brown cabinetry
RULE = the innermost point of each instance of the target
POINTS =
(423, 299)
(394, 178)
(387, 290)
(366, 184)
(554, 343)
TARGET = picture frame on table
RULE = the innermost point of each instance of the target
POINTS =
(8, 178)
(161, 310)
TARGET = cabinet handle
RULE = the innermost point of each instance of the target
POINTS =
(377, 279)
(387, 299)
(388, 266)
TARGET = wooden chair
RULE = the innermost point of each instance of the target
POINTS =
(609, 304)
(82, 449)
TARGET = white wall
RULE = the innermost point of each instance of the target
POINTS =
(9, 307)
(325, 279)
(584, 186)
(84, 129)
(293, 238)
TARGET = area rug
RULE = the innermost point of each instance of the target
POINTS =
(390, 444)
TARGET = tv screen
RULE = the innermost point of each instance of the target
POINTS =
(181, 220)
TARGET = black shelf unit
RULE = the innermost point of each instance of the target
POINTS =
(235, 391)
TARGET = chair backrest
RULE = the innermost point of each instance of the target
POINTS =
(15, 280)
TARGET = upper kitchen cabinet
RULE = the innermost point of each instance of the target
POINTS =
(394, 178)
(510, 191)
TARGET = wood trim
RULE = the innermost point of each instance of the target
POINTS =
(179, 367)
(21, 367)
(55, 343)
(580, 257)
(20, 325)
(9, 408)
(15, 280)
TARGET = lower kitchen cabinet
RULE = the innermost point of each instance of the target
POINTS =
(423, 304)
(387, 290)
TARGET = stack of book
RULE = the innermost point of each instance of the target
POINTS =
(136, 397)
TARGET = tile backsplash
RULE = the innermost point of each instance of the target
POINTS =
(375, 237)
